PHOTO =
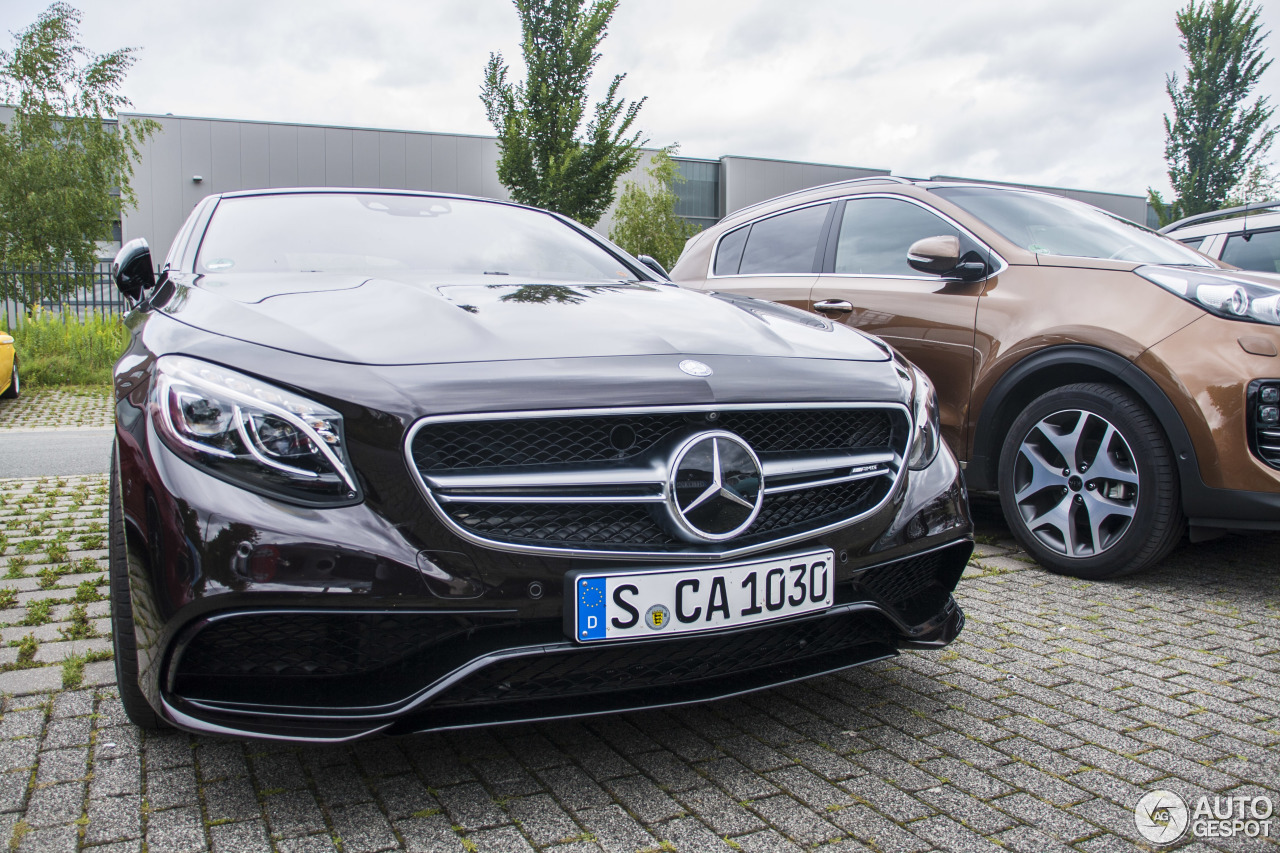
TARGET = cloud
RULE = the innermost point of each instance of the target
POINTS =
(1042, 92)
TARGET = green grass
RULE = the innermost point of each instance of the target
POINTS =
(57, 349)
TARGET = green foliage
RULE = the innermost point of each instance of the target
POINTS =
(547, 158)
(38, 612)
(645, 220)
(27, 648)
(1214, 137)
(58, 349)
(63, 155)
(8, 597)
(87, 590)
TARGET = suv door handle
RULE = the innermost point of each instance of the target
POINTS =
(833, 306)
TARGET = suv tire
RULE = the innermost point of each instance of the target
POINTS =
(1088, 484)
(120, 563)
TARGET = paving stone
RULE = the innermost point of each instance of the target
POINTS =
(294, 813)
(794, 820)
(113, 819)
(429, 835)
(541, 819)
(176, 831)
(55, 804)
(363, 828)
(615, 830)
(22, 682)
(245, 837)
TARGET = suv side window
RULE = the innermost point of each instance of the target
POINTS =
(876, 233)
(1260, 252)
(786, 243)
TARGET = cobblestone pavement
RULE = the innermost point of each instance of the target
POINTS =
(50, 409)
(1061, 704)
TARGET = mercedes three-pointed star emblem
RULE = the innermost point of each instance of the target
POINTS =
(715, 488)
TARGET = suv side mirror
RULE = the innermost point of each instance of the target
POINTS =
(941, 256)
(132, 269)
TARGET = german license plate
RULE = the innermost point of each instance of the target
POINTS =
(655, 603)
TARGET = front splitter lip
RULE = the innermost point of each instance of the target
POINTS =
(283, 724)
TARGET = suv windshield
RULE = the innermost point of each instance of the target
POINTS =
(1052, 225)
(385, 234)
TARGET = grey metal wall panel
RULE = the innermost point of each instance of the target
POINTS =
(747, 180)
(255, 156)
(491, 186)
(224, 138)
(391, 160)
(167, 208)
(311, 157)
(339, 159)
(197, 160)
(417, 161)
(364, 158)
(282, 140)
(470, 163)
(444, 164)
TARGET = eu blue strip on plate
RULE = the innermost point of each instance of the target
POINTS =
(591, 609)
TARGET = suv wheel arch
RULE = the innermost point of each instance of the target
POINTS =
(1065, 365)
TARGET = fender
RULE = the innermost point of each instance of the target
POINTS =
(1089, 361)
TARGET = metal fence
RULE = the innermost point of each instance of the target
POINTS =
(86, 292)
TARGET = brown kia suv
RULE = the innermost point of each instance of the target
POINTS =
(1113, 385)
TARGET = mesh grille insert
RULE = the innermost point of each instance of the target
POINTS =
(637, 666)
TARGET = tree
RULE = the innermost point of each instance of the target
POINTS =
(546, 161)
(64, 159)
(1214, 136)
(645, 220)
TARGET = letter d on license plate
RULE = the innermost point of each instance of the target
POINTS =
(661, 602)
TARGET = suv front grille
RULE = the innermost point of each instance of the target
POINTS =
(596, 482)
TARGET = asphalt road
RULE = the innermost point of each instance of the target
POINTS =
(54, 452)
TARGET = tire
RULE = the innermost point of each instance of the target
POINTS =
(121, 563)
(1077, 510)
(15, 384)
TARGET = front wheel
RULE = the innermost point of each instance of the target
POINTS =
(1088, 484)
(120, 562)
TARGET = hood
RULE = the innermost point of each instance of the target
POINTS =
(403, 320)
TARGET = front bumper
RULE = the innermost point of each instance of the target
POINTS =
(346, 631)
(449, 671)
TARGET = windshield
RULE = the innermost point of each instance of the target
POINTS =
(1053, 225)
(385, 234)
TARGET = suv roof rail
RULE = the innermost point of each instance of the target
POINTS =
(870, 179)
(1219, 214)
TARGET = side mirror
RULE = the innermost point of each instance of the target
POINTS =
(652, 263)
(132, 269)
(941, 256)
(934, 254)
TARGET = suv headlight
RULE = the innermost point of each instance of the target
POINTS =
(926, 435)
(1233, 298)
(251, 433)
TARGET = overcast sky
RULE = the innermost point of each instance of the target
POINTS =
(1063, 94)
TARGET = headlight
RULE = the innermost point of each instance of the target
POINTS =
(250, 433)
(1233, 298)
(926, 436)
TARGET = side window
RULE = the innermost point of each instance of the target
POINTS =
(786, 243)
(729, 255)
(876, 233)
(1260, 252)
(1193, 242)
